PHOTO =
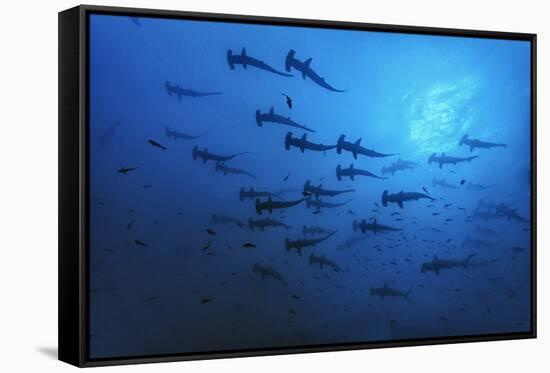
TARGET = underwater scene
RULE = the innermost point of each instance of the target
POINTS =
(256, 186)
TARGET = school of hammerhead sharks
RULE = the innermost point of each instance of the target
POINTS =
(267, 203)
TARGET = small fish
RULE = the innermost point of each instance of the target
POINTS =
(125, 170)
(447, 205)
(151, 299)
(435, 213)
(462, 182)
(156, 144)
(146, 186)
(249, 245)
(316, 212)
(286, 177)
(288, 100)
(210, 231)
(294, 296)
(140, 243)
(207, 246)
(206, 300)
(350, 212)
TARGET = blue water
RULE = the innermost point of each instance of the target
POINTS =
(160, 283)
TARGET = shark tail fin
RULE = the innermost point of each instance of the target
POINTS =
(288, 138)
(258, 118)
(431, 159)
(289, 59)
(195, 150)
(168, 88)
(385, 198)
(355, 225)
(230, 59)
(250, 225)
(311, 259)
(241, 194)
(340, 144)
(287, 244)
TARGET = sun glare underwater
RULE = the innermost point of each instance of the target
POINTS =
(257, 186)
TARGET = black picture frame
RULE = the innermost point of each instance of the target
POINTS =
(73, 182)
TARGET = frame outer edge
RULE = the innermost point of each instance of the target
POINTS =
(81, 358)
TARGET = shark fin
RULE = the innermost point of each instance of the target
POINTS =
(271, 111)
(358, 142)
(243, 52)
(308, 62)
(351, 166)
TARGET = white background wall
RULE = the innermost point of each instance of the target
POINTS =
(28, 184)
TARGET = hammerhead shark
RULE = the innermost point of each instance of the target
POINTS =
(244, 60)
(319, 203)
(267, 271)
(386, 291)
(322, 261)
(318, 191)
(271, 205)
(176, 135)
(356, 148)
(401, 197)
(399, 165)
(352, 172)
(437, 264)
(474, 143)
(304, 242)
(350, 242)
(303, 144)
(510, 213)
(312, 230)
(207, 156)
(443, 184)
(178, 91)
(374, 227)
(478, 243)
(306, 70)
(445, 159)
(477, 186)
(272, 117)
(223, 219)
(265, 223)
(251, 193)
(220, 166)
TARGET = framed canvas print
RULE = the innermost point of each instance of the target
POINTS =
(239, 186)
